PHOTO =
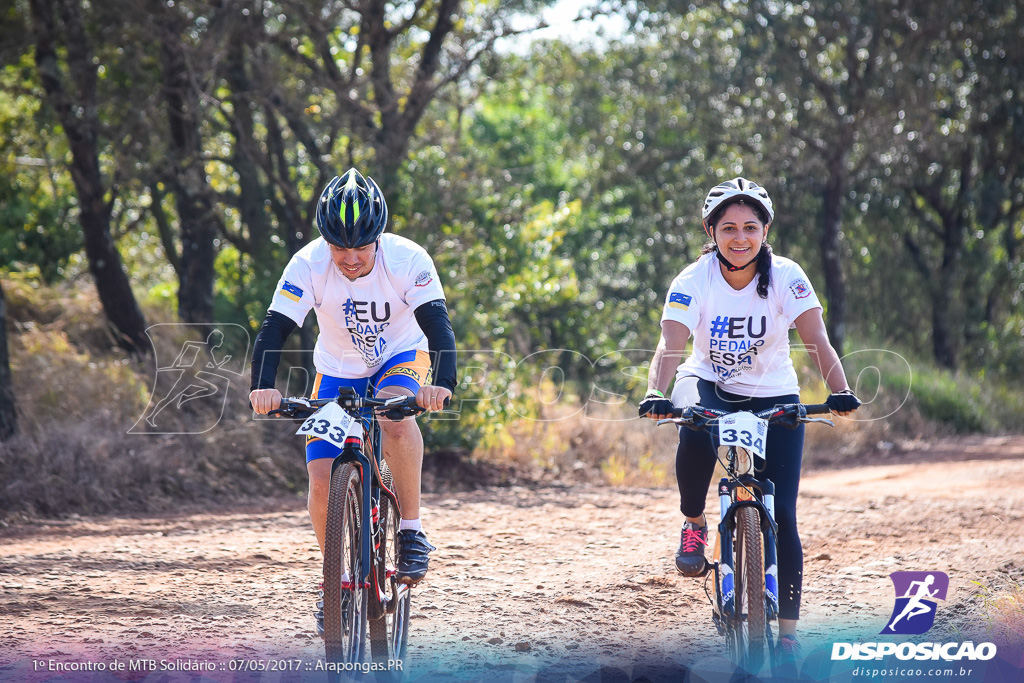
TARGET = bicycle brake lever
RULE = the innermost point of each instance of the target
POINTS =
(292, 405)
(400, 407)
(395, 414)
(822, 420)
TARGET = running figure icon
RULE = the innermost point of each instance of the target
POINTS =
(196, 385)
(189, 393)
(916, 596)
(915, 605)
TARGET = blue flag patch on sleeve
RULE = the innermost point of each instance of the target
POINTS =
(679, 300)
(291, 291)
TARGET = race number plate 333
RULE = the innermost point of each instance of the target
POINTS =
(745, 430)
(331, 423)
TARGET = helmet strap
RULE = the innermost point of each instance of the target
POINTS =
(733, 269)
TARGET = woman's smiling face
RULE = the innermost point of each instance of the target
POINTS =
(739, 234)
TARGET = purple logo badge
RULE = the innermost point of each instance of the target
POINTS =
(916, 596)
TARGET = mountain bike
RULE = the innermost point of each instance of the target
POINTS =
(745, 570)
(361, 592)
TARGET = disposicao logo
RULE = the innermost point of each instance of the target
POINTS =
(916, 596)
(913, 613)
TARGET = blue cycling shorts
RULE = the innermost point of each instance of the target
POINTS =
(408, 369)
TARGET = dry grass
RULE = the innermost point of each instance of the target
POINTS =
(570, 443)
(78, 402)
(1004, 612)
(82, 448)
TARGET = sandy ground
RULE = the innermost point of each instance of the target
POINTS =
(528, 583)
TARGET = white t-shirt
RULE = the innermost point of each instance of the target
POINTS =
(740, 341)
(365, 322)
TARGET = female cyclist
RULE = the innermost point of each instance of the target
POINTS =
(738, 302)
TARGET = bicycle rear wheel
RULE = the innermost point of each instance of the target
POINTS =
(389, 616)
(749, 641)
(344, 595)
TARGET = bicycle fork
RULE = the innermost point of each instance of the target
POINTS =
(352, 452)
(731, 496)
(769, 530)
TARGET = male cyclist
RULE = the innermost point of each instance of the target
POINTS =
(383, 324)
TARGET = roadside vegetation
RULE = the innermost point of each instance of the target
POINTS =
(84, 447)
(159, 167)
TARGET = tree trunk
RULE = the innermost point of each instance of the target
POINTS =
(192, 194)
(831, 256)
(8, 412)
(74, 101)
(943, 340)
(245, 161)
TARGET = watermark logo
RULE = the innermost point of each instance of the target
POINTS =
(199, 375)
(913, 613)
(917, 594)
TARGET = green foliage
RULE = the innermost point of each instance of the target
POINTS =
(559, 190)
(35, 201)
(904, 389)
(951, 401)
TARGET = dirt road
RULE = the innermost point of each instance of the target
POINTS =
(527, 583)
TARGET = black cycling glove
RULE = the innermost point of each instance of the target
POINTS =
(655, 403)
(842, 401)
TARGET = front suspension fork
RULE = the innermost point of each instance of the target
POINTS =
(725, 583)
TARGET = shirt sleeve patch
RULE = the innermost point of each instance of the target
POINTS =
(680, 300)
(290, 291)
(424, 279)
(800, 288)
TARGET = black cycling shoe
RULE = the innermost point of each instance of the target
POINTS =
(413, 549)
(690, 556)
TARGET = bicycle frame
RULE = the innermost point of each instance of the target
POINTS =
(377, 518)
(740, 489)
(733, 494)
(373, 487)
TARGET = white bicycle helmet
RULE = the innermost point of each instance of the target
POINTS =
(729, 191)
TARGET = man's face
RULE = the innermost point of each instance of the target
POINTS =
(354, 263)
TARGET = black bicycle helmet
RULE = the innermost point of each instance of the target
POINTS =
(732, 190)
(351, 212)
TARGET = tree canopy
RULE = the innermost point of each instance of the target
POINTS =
(176, 154)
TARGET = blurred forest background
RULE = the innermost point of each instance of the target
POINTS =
(159, 162)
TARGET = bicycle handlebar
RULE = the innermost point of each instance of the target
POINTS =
(788, 415)
(394, 408)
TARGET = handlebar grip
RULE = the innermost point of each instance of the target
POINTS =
(817, 409)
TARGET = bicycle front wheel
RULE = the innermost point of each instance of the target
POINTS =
(389, 615)
(750, 612)
(344, 593)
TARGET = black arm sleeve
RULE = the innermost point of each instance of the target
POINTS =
(266, 352)
(433, 319)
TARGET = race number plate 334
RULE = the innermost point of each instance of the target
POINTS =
(745, 430)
